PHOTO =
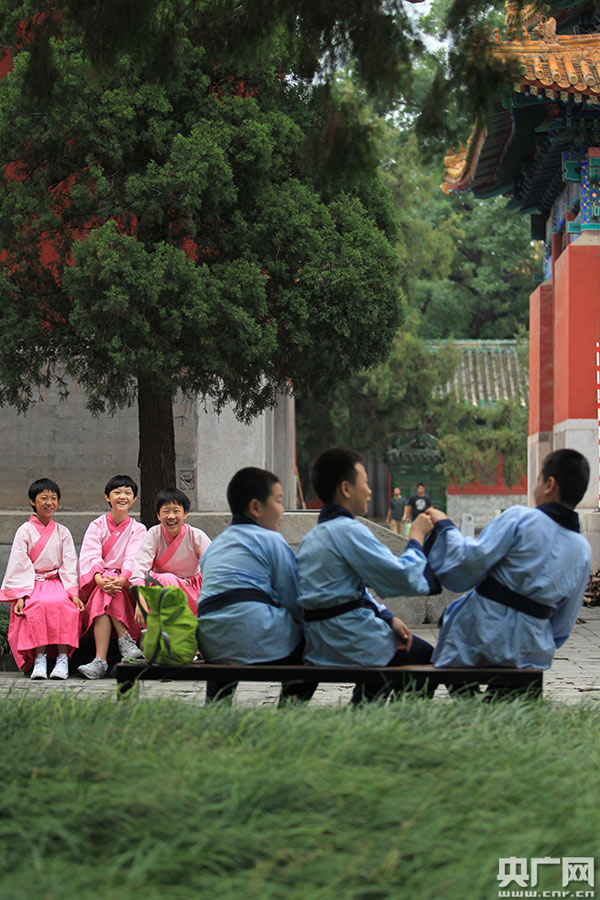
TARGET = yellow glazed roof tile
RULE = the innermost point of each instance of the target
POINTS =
(554, 64)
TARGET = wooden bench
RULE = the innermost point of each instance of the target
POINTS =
(528, 681)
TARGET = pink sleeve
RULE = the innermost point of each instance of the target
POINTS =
(19, 578)
(136, 538)
(201, 542)
(144, 558)
(90, 556)
(68, 570)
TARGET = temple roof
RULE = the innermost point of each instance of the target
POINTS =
(553, 69)
(487, 372)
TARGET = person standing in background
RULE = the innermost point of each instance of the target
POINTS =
(395, 513)
(418, 503)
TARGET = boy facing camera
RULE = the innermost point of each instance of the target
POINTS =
(248, 612)
(343, 624)
(525, 575)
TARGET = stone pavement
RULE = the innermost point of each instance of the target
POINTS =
(575, 676)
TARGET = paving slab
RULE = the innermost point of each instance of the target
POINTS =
(574, 677)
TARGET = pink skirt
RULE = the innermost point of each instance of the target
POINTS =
(120, 607)
(50, 618)
(191, 586)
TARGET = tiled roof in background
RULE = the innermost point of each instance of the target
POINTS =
(487, 372)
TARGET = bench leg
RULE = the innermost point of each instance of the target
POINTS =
(124, 688)
(368, 693)
(463, 690)
(415, 685)
(297, 690)
(220, 690)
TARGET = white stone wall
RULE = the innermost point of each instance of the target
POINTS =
(483, 507)
(60, 439)
(582, 435)
(224, 446)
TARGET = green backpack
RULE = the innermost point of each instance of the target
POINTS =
(171, 637)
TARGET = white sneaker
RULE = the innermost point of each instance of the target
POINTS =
(40, 667)
(61, 668)
(128, 648)
(97, 668)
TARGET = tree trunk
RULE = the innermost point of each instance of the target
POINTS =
(157, 444)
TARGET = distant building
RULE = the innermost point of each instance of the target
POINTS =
(539, 146)
(487, 373)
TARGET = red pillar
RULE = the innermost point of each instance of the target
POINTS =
(576, 278)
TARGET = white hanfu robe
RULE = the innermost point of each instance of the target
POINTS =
(246, 557)
(172, 561)
(42, 567)
(336, 560)
(109, 549)
(537, 553)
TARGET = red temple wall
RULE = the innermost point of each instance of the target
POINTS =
(541, 359)
(576, 327)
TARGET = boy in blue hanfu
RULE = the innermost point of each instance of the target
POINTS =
(248, 610)
(339, 558)
(525, 575)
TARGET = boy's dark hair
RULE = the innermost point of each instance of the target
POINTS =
(572, 473)
(118, 481)
(42, 484)
(333, 466)
(249, 484)
(420, 484)
(171, 495)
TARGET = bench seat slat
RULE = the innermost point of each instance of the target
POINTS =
(502, 677)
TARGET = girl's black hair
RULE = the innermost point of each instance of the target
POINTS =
(41, 485)
(171, 495)
(118, 481)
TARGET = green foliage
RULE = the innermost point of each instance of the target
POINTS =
(372, 405)
(473, 440)
(470, 264)
(468, 269)
(408, 391)
(491, 274)
(197, 233)
(315, 37)
(161, 799)
(466, 78)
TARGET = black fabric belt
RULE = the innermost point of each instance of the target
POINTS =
(236, 595)
(330, 612)
(494, 590)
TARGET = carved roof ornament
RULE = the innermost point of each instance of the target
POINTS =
(520, 15)
(555, 66)
(546, 30)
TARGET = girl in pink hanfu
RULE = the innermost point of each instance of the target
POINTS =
(171, 551)
(42, 584)
(106, 562)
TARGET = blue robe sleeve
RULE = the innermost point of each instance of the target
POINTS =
(460, 562)
(380, 569)
(284, 574)
(565, 615)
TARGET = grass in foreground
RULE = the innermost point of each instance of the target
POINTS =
(161, 800)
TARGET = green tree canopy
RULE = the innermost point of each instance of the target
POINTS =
(410, 391)
(469, 267)
(191, 231)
